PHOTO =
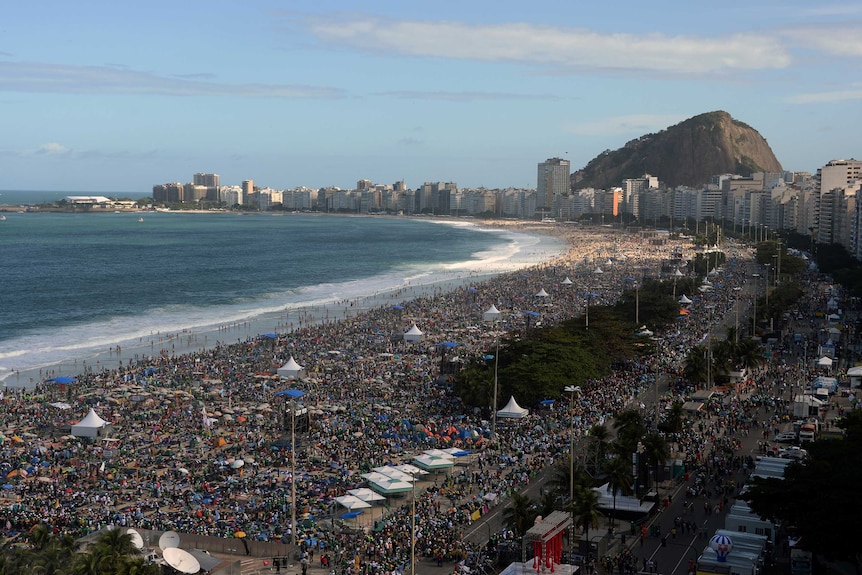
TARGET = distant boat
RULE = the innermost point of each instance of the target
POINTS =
(140, 218)
(2, 218)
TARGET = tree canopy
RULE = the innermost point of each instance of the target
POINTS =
(813, 492)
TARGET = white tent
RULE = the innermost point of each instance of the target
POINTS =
(824, 362)
(566, 282)
(513, 410)
(90, 425)
(291, 369)
(491, 314)
(413, 334)
(685, 300)
(542, 293)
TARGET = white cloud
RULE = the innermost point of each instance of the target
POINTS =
(465, 96)
(52, 148)
(826, 97)
(833, 10)
(631, 124)
(838, 39)
(571, 48)
(44, 77)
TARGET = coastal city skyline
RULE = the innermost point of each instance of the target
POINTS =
(109, 98)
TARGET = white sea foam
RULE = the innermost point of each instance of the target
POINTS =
(68, 350)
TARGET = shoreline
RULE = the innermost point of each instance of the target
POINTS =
(198, 339)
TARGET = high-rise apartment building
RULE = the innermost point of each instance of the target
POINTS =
(552, 182)
(247, 190)
(838, 174)
(207, 180)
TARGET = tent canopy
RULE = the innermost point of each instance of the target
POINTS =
(413, 334)
(291, 369)
(90, 425)
(512, 410)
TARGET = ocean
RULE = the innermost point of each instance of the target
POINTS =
(74, 287)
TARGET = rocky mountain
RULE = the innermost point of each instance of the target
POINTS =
(685, 154)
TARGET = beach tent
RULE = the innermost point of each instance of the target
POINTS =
(566, 282)
(684, 300)
(824, 362)
(491, 314)
(413, 334)
(542, 293)
(513, 410)
(90, 425)
(291, 369)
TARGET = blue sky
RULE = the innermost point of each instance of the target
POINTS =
(119, 96)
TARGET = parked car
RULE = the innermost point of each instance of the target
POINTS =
(785, 437)
(792, 453)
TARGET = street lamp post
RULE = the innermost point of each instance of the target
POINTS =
(572, 390)
(492, 314)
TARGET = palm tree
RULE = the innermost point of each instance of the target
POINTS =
(111, 551)
(560, 479)
(695, 368)
(630, 427)
(618, 472)
(520, 514)
(657, 451)
(675, 417)
(598, 446)
(585, 509)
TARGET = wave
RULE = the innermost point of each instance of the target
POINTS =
(184, 328)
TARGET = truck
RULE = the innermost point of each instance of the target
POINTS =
(807, 433)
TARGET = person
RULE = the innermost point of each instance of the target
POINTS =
(304, 563)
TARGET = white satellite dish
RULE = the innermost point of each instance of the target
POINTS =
(182, 561)
(168, 540)
(137, 540)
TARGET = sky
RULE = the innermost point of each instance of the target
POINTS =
(108, 96)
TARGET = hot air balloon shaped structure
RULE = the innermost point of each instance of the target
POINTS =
(722, 545)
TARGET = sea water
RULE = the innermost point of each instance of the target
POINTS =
(83, 291)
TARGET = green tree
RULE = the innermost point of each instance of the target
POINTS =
(657, 451)
(618, 473)
(695, 368)
(598, 445)
(520, 514)
(630, 428)
(586, 510)
(801, 500)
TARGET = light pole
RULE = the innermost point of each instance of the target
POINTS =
(492, 314)
(572, 390)
(293, 394)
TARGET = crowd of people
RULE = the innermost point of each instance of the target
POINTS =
(197, 441)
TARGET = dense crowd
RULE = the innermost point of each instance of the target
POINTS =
(197, 442)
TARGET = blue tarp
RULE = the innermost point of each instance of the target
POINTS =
(63, 379)
(294, 393)
(546, 402)
(270, 335)
(351, 514)
(447, 344)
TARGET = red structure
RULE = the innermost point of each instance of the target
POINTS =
(546, 537)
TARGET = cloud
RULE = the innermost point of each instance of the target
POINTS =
(465, 96)
(833, 10)
(837, 39)
(44, 77)
(52, 148)
(826, 97)
(564, 47)
(634, 123)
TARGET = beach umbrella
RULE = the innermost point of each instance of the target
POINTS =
(237, 463)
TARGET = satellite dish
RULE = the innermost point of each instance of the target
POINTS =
(168, 540)
(182, 561)
(137, 540)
